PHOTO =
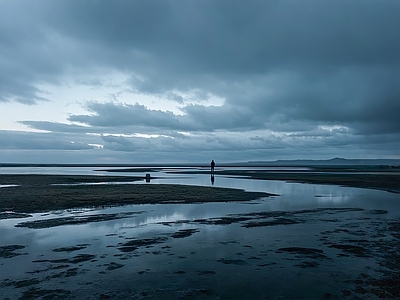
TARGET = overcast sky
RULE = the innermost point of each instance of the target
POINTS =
(191, 81)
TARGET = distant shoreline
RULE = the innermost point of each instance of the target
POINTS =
(334, 163)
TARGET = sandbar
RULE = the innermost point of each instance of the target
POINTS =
(39, 193)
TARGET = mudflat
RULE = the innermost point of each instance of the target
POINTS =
(368, 178)
(39, 193)
(387, 182)
(246, 250)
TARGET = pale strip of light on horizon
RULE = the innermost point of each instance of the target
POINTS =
(133, 135)
(97, 146)
(334, 128)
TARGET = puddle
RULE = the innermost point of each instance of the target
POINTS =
(8, 185)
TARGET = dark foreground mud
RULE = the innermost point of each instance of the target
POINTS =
(75, 220)
(324, 253)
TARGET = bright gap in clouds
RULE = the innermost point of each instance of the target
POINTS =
(332, 128)
(71, 96)
(133, 135)
(96, 146)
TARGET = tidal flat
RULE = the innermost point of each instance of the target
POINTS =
(38, 193)
(286, 241)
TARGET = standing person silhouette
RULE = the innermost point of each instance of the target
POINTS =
(212, 166)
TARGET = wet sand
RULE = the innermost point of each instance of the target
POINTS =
(387, 182)
(368, 178)
(51, 192)
(319, 253)
(40, 193)
(327, 253)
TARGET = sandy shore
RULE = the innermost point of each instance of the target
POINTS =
(365, 178)
(38, 193)
(387, 182)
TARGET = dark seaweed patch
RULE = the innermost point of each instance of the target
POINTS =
(20, 283)
(137, 243)
(13, 215)
(71, 248)
(386, 288)
(75, 220)
(74, 260)
(309, 252)
(8, 251)
(273, 218)
(267, 264)
(206, 272)
(184, 233)
(394, 228)
(279, 221)
(57, 267)
(175, 222)
(352, 249)
(239, 262)
(113, 266)
(229, 242)
(68, 273)
(36, 293)
(308, 264)
(222, 220)
(377, 211)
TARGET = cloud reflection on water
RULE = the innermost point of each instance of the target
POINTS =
(217, 257)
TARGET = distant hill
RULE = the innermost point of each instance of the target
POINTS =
(337, 161)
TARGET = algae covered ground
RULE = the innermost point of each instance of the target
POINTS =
(39, 193)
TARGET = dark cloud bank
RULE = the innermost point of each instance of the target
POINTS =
(296, 77)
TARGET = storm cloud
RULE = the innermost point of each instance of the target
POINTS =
(238, 80)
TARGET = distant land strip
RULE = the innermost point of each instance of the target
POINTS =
(335, 162)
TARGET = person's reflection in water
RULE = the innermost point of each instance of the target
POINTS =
(212, 179)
